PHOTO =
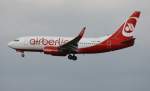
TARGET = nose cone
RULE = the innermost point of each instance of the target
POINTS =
(10, 44)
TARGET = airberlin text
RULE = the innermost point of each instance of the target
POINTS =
(44, 41)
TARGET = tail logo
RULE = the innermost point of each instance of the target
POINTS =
(129, 27)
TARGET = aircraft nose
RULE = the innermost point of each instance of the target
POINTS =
(10, 44)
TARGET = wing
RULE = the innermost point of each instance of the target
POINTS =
(71, 46)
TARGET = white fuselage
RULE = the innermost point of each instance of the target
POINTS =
(39, 42)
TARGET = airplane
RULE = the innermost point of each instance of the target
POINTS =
(70, 46)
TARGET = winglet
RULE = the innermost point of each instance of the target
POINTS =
(82, 32)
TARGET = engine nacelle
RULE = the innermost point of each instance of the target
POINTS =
(53, 51)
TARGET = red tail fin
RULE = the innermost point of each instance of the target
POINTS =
(123, 37)
(125, 31)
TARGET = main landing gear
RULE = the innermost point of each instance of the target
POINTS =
(72, 57)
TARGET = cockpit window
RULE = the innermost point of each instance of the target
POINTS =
(16, 40)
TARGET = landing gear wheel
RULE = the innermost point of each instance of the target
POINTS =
(22, 55)
(72, 57)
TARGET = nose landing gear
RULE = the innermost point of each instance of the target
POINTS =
(21, 52)
(22, 55)
(72, 57)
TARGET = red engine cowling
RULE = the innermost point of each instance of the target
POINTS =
(53, 51)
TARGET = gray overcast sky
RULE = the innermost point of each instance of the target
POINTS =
(123, 70)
